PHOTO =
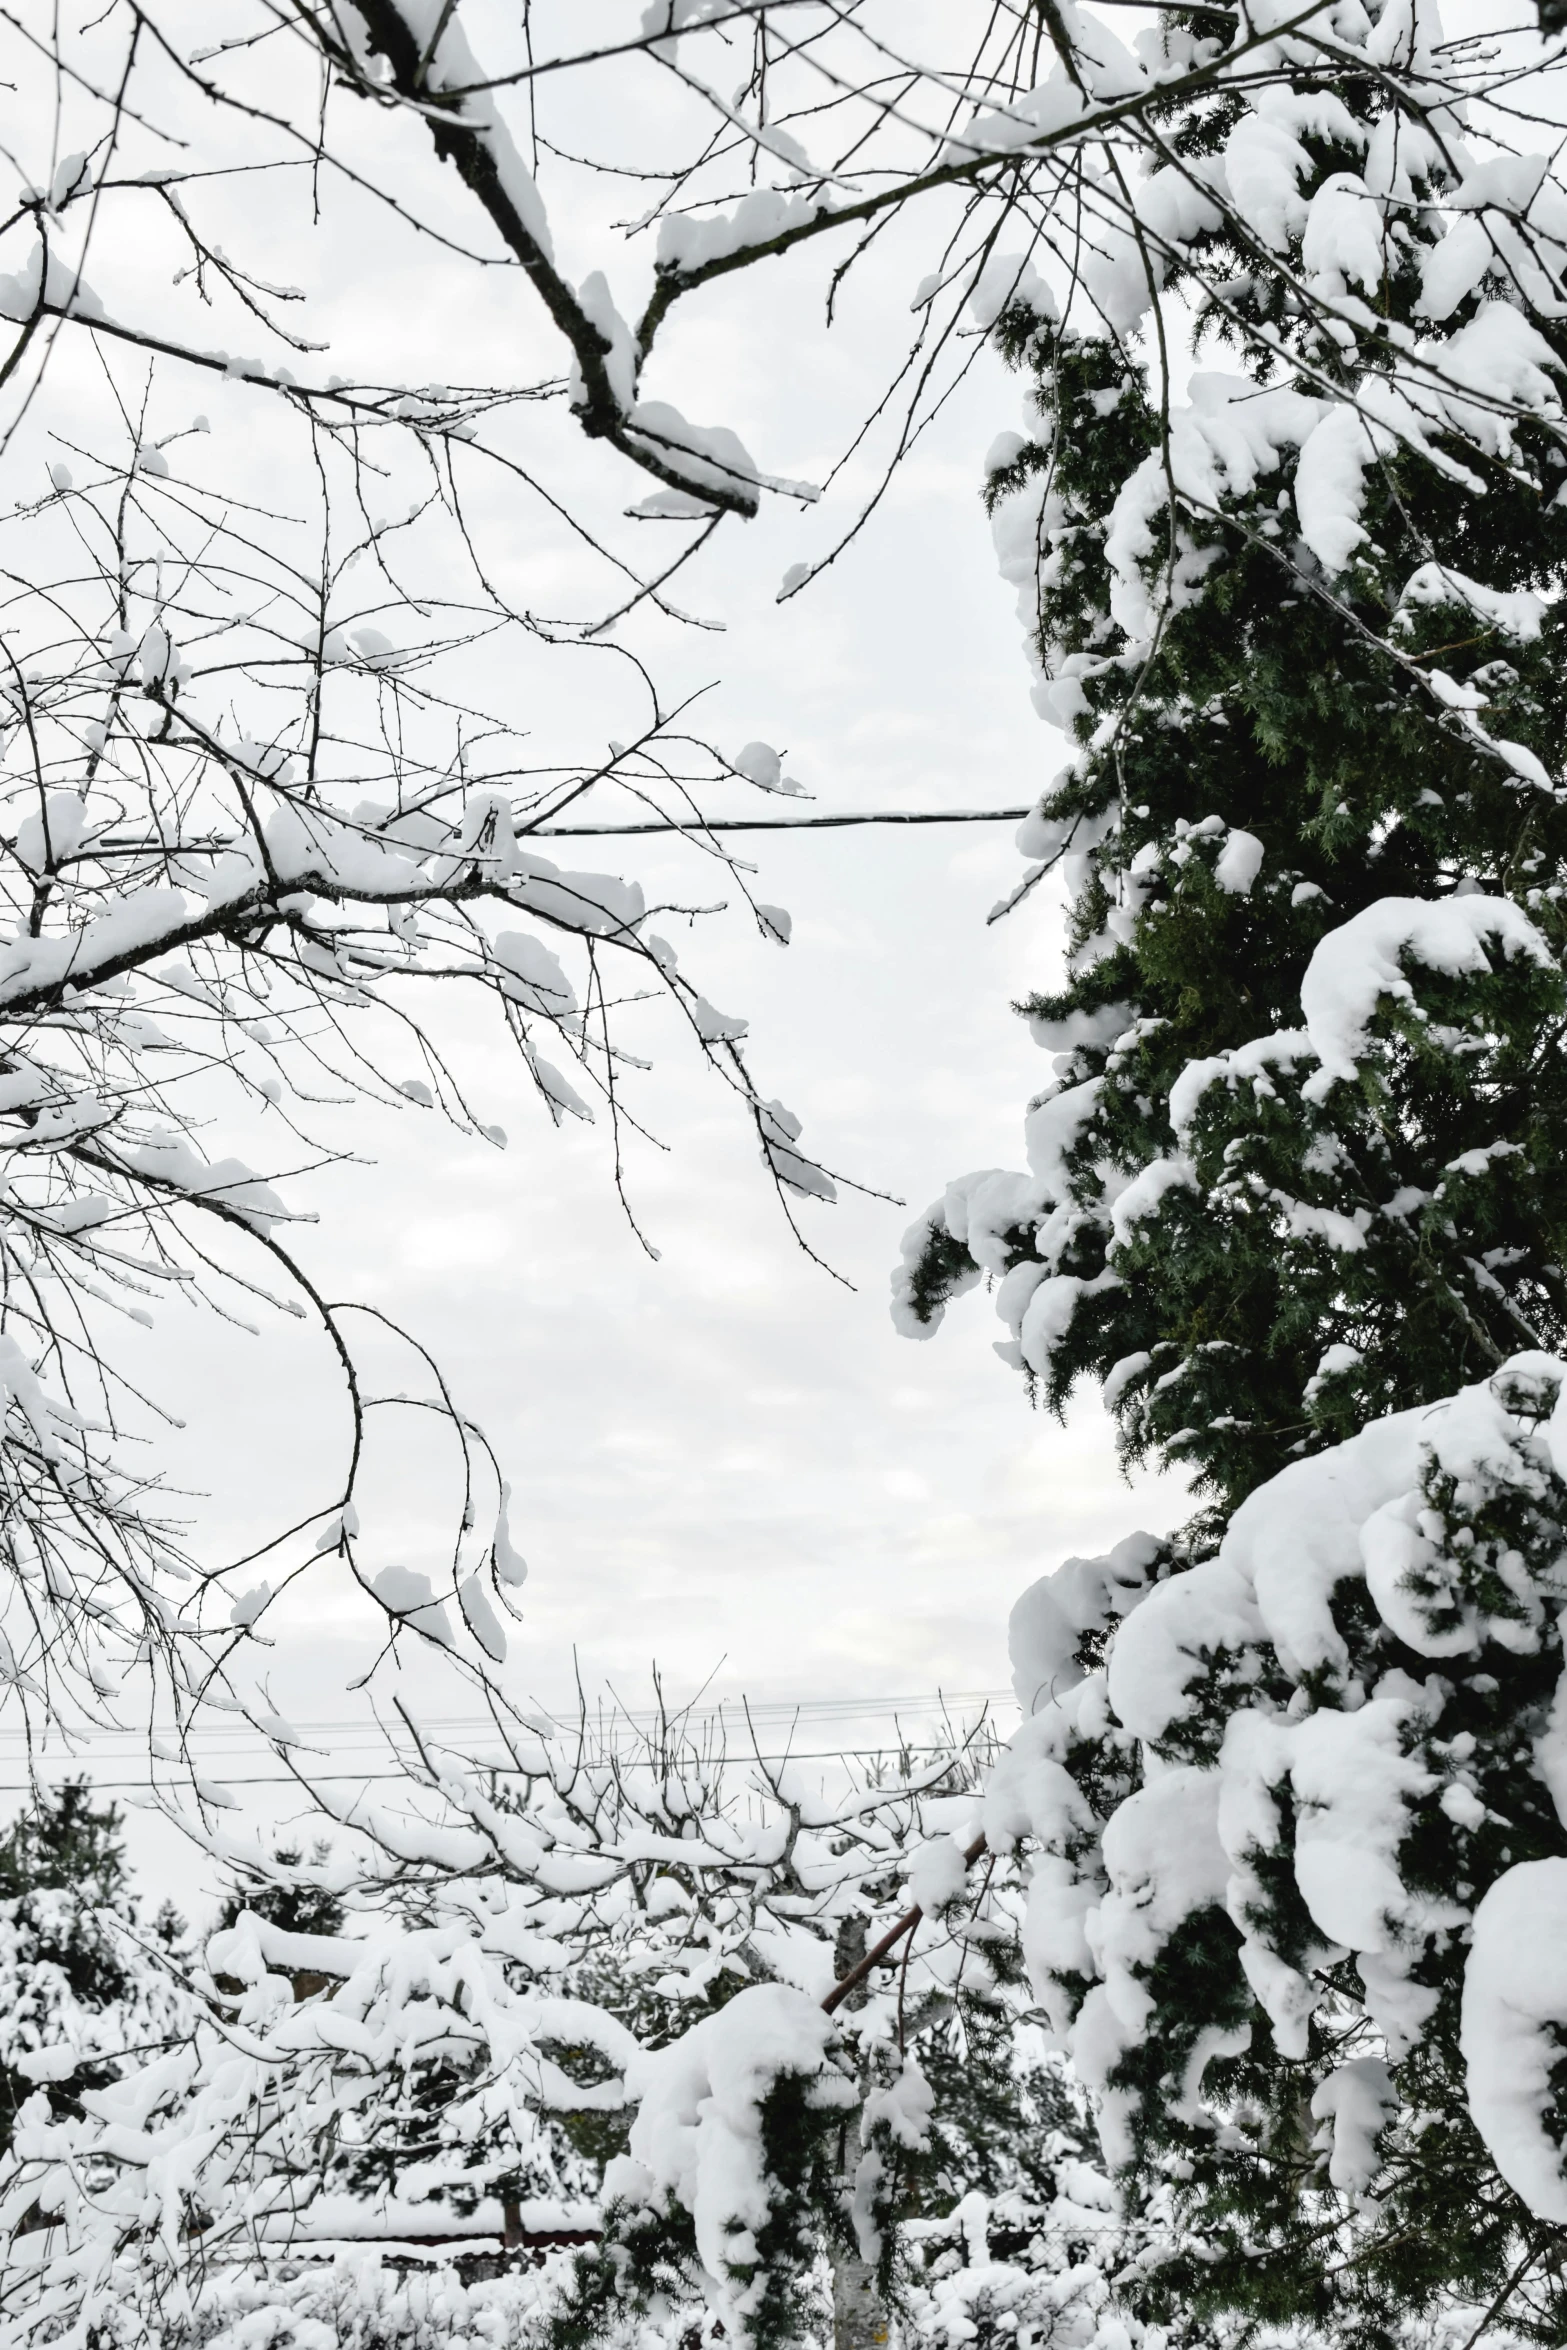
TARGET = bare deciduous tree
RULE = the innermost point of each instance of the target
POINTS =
(263, 774)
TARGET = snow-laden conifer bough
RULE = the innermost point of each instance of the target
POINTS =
(1296, 1199)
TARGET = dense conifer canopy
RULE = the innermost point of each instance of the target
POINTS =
(1297, 1203)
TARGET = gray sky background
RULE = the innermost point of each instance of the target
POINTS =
(727, 1457)
(725, 1463)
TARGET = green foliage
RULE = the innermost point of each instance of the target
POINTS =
(1308, 722)
(67, 1964)
(1256, 1242)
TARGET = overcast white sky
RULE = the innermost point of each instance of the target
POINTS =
(728, 1459)
(725, 1463)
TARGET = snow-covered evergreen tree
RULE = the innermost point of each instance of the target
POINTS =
(88, 1983)
(1304, 1094)
(1298, 1198)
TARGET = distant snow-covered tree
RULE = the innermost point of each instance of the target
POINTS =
(91, 1986)
(266, 688)
(610, 1995)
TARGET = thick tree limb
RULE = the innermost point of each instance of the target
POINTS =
(888, 1943)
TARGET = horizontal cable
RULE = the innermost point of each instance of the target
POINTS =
(493, 1762)
(793, 823)
(716, 1712)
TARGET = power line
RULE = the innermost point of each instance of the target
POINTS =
(716, 1712)
(793, 823)
(206, 1755)
(477, 1762)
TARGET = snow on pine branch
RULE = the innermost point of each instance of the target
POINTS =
(1325, 1762)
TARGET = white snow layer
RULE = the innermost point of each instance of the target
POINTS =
(697, 2136)
(1355, 2102)
(1105, 1896)
(1230, 436)
(1514, 2027)
(1360, 962)
(1047, 1625)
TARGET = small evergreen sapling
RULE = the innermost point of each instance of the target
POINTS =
(86, 1983)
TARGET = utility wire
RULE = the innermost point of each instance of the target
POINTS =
(207, 1753)
(478, 1762)
(697, 1709)
(796, 823)
(715, 1713)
